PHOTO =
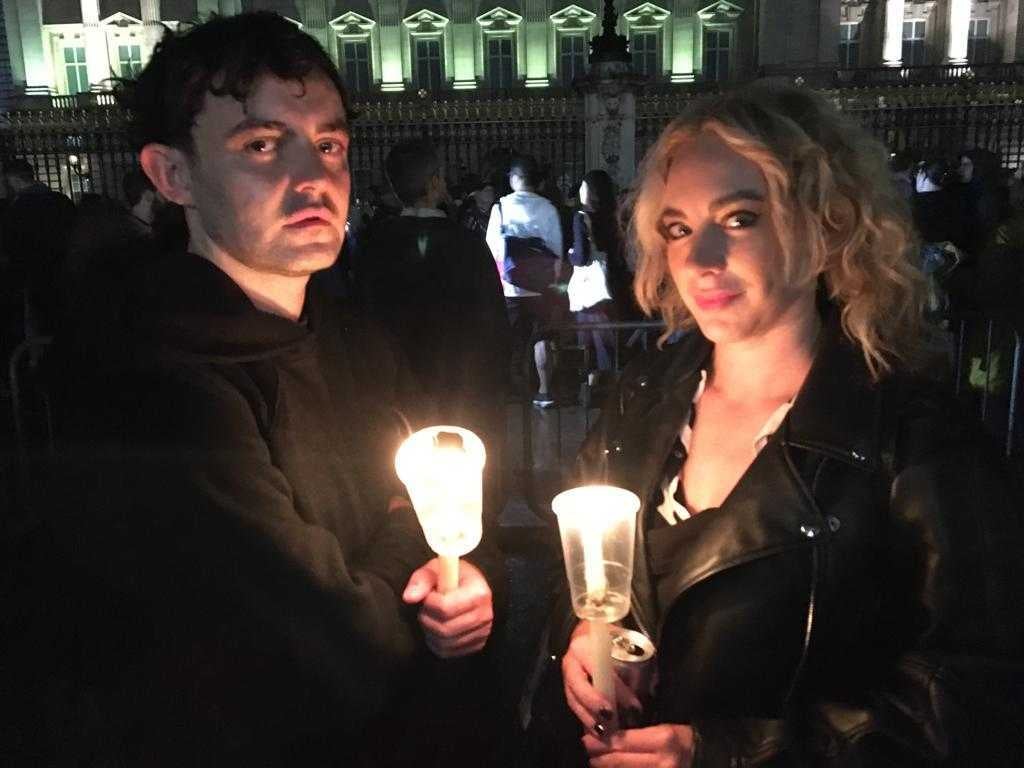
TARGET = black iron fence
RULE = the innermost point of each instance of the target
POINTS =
(81, 147)
(925, 119)
(465, 128)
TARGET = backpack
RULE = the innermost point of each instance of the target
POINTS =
(529, 263)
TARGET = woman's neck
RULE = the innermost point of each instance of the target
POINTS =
(772, 366)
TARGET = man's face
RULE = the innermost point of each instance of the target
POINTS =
(269, 178)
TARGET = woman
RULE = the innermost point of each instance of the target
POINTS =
(826, 559)
(597, 264)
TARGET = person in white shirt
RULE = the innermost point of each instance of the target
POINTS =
(525, 214)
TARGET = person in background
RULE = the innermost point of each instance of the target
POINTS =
(35, 231)
(433, 285)
(598, 276)
(526, 215)
(828, 551)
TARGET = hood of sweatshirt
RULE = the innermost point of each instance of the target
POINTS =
(185, 307)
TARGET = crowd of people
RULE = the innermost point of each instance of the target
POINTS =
(225, 569)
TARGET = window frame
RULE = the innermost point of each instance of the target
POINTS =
(81, 70)
(574, 35)
(417, 67)
(911, 44)
(728, 50)
(849, 44)
(654, 53)
(974, 42)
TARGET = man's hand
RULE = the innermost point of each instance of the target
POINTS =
(589, 706)
(457, 623)
(660, 746)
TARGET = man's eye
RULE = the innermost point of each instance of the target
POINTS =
(331, 147)
(675, 231)
(261, 146)
(741, 220)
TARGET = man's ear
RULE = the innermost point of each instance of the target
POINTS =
(167, 167)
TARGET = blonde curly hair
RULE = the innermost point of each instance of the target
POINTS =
(839, 218)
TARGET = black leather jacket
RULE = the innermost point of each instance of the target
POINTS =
(854, 601)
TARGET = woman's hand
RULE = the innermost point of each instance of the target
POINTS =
(660, 746)
(589, 706)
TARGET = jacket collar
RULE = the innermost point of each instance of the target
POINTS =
(838, 384)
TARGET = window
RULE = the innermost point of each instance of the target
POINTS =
(644, 48)
(849, 44)
(76, 71)
(429, 73)
(500, 62)
(129, 59)
(716, 54)
(355, 56)
(572, 58)
(977, 42)
(913, 43)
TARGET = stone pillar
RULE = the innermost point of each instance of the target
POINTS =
(313, 14)
(535, 21)
(463, 31)
(959, 28)
(206, 7)
(229, 7)
(97, 58)
(610, 114)
(892, 47)
(152, 29)
(391, 54)
(25, 36)
(610, 103)
(683, 26)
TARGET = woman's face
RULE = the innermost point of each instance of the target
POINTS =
(584, 193)
(966, 169)
(721, 245)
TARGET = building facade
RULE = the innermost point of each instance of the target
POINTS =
(72, 46)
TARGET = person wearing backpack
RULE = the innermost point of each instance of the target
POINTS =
(525, 238)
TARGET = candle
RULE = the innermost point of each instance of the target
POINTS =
(442, 468)
(597, 524)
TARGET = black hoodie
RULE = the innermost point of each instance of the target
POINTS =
(236, 516)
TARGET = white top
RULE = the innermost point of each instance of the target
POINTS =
(525, 214)
(670, 509)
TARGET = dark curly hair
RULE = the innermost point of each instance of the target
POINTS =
(224, 57)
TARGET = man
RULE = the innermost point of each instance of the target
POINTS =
(434, 286)
(36, 226)
(255, 588)
(527, 215)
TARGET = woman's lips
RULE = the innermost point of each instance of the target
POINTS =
(715, 299)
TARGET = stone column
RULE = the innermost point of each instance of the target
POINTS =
(683, 24)
(229, 7)
(205, 7)
(314, 19)
(535, 22)
(959, 28)
(610, 103)
(463, 31)
(25, 35)
(152, 29)
(892, 47)
(97, 58)
(391, 54)
(610, 114)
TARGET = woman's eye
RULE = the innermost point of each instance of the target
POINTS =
(741, 220)
(675, 231)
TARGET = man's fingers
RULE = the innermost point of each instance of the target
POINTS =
(421, 583)
(443, 607)
(471, 642)
(455, 628)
